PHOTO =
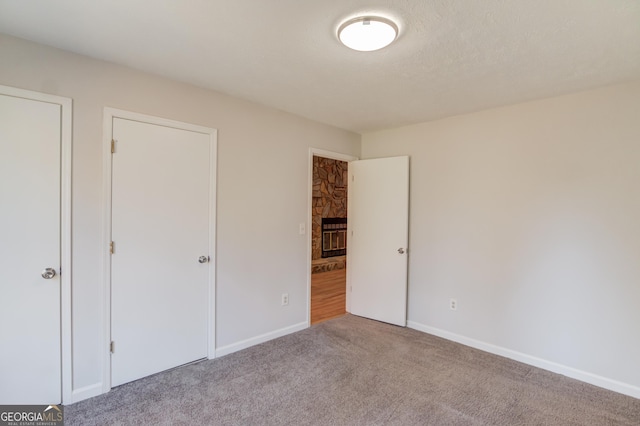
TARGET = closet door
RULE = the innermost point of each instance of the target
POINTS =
(160, 232)
(30, 251)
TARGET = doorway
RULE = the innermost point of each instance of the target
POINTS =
(378, 210)
(328, 235)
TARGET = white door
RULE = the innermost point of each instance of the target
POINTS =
(377, 245)
(30, 155)
(160, 229)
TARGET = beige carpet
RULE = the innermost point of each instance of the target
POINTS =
(353, 371)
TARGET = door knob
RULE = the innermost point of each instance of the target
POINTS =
(203, 259)
(401, 250)
(48, 273)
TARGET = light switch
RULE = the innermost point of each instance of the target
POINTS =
(302, 229)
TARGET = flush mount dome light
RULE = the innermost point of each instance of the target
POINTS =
(367, 33)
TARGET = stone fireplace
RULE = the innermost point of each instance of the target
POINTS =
(328, 233)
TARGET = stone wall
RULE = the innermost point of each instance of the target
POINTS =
(329, 197)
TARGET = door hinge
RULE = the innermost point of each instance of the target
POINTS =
(112, 347)
(113, 146)
(112, 247)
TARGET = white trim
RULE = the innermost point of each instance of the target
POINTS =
(243, 344)
(86, 392)
(105, 268)
(334, 156)
(554, 367)
(213, 182)
(66, 119)
(107, 136)
(160, 121)
(65, 296)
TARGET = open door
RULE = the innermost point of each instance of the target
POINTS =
(378, 236)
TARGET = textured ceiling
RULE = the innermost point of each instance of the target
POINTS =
(451, 57)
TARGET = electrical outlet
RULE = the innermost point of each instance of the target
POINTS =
(453, 304)
(285, 299)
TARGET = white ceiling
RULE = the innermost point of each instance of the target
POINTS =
(451, 57)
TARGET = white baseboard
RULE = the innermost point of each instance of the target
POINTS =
(234, 347)
(86, 392)
(583, 376)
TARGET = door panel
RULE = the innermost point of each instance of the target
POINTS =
(160, 227)
(30, 147)
(378, 230)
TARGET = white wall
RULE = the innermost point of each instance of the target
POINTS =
(262, 190)
(529, 215)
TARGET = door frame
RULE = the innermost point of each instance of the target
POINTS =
(66, 114)
(109, 115)
(333, 156)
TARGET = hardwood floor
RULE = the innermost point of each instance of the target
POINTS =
(328, 295)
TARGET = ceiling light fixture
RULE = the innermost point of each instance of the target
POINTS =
(367, 33)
